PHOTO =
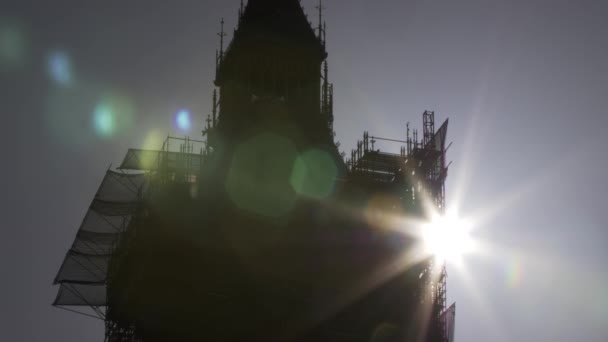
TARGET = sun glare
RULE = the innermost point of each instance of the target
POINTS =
(448, 237)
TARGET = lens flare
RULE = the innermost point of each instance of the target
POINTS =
(514, 270)
(104, 120)
(183, 120)
(59, 68)
(68, 115)
(153, 140)
(382, 211)
(13, 45)
(385, 332)
(113, 115)
(447, 237)
(314, 173)
(259, 177)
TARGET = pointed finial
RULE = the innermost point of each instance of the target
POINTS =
(222, 34)
(320, 28)
(214, 109)
(331, 103)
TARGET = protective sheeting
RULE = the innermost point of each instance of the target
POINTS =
(81, 268)
(149, 160)
(449, 319)
(84, 271)
(93, 243)
(81, 295)
(118, 187)
(440, 137)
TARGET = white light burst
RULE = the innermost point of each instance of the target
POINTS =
(447, 237)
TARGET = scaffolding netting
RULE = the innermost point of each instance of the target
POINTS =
(83, 273)
(81, 295)
(448, 317)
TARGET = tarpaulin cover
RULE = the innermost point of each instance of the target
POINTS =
(449, 318)
(83, 273)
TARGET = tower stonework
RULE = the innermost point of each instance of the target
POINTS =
(270, 76)
(264, 232)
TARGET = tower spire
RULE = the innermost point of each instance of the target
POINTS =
(219, 55)
(277, 54)
(214, 109)
(321, 28)
(325, 90)
(222, 34)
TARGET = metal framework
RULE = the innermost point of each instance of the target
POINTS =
(421, 165)
(417, 172)
(98, 273)
(83, 275)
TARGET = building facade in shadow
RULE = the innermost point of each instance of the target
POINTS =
(263, 231)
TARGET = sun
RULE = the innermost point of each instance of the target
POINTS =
(447, 237)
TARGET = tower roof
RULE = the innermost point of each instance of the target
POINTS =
(276, 21)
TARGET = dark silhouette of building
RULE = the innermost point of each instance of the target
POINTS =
(264, 232)
(273, 61)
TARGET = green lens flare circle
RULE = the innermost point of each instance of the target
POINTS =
(314, 174)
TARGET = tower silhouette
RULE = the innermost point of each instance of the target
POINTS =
(263, 232)
(275, 60)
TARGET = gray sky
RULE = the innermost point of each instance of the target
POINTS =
(524, 84)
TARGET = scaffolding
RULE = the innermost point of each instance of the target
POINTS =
(420, 169)
(131, 234)
(103, 242)
(83, 275)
